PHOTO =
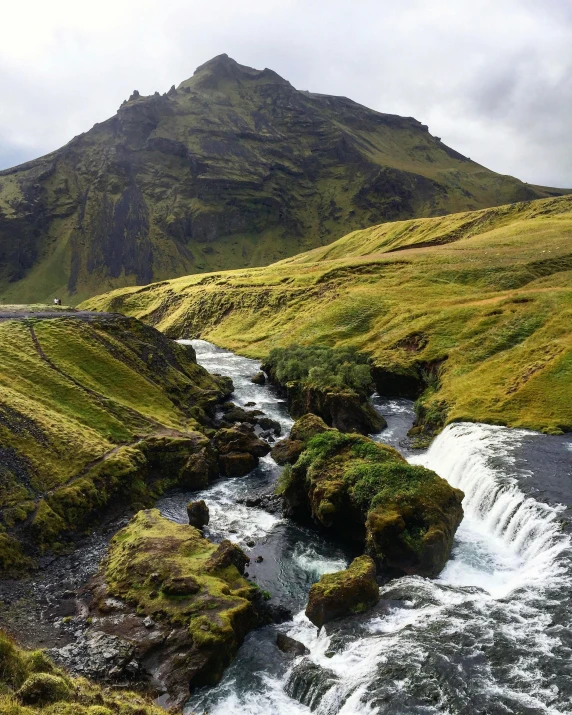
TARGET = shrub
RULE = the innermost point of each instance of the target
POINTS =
(321, 366)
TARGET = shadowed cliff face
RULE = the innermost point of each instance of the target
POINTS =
(233, 168)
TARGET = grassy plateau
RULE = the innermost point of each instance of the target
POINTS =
(472, 309)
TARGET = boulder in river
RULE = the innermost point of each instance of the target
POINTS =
(239, 450)
(353, 590)
(259, 378)
(405, 515)
(290, 646)
(198, 513)
(194, 591)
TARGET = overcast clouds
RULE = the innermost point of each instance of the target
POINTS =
(492, 78)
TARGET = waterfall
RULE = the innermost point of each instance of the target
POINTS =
(478, 458)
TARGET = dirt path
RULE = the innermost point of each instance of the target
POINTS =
(85, 316)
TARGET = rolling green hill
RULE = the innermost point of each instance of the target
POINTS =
(94, 410)
(473, 309)
(233, 168)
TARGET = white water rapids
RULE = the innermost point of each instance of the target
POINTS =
(491, 635)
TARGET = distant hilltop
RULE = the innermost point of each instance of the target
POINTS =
(232, 168)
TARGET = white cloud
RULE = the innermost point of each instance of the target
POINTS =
(492, 79)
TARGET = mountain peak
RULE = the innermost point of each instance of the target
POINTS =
(223, 69)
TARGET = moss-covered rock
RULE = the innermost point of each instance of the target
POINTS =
(345, 410)
(30, 684)
(353, 590)
(405, 515)
(43, 688)
(287, 451)
(194, 592)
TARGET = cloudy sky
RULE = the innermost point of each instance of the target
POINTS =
(492, 78)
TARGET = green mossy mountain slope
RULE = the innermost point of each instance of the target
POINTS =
(473, 309)
(93, 409)
(234, 167)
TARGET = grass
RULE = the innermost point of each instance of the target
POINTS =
(477, 306)
(30, 684)
(73, 396)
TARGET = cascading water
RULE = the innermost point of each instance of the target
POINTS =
(492, 634)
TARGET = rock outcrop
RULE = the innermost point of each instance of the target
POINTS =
(239, 450)
(343, 409)
(405, 515)
(353, 590)
(198, 513)
(178, 603)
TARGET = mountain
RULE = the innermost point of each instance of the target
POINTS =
(233, 168)
(471, 311)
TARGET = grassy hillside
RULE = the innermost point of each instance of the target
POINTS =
(233, 168)
(83, 404)
(474, 308)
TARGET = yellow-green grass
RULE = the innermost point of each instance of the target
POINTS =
(487, 295)
(25, 672)
(73, 396)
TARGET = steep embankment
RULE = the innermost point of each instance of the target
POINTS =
(94, 409)
(475, 308)
(234, 167)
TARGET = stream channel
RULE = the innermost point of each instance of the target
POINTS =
(493, 634)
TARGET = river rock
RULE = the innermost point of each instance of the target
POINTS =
(353, 590)
(195, 594)
(198, 513)
(227, 554)
(404, 515)
(239, 450)
(287, 451)
(290, 646)
(259, 378)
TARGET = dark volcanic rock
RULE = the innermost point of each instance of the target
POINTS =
(259, 378)
(287, 451)
(290, 646)
(340, 594)
(239, 450)
(198, 513)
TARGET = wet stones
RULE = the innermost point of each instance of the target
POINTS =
(259, 378)
(227, 554)
(198, 513)
(239, 450)
(353, 590)
(290, 646)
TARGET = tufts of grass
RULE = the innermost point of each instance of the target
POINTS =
(477, 306)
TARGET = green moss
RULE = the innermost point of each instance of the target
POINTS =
(151, 552)
(30, 684)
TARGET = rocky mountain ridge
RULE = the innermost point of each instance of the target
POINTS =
(232, 168)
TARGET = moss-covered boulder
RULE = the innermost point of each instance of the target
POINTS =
(198, 513)
(288, 450)
(42, 689)
(353, 590)
(405, 515)
(259, 378)
(30, 684)
(194, 592)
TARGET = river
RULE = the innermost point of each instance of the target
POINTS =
(493, 634)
